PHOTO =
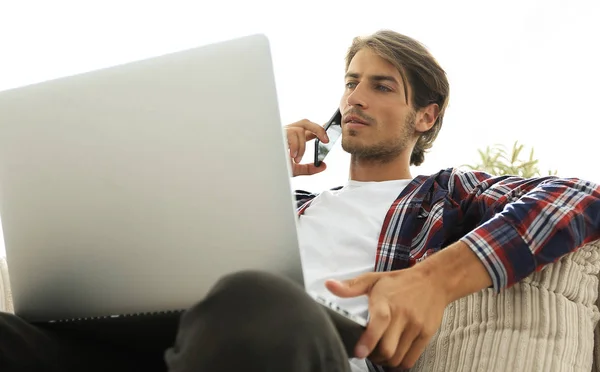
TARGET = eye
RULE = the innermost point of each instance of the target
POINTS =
(382, 88)
(351, 85)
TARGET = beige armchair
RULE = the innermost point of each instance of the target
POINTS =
(547, 322)
(6, 304)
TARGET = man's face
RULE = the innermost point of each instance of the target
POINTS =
(378, 122)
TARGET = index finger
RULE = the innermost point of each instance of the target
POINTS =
(312, 130)
(379, 320)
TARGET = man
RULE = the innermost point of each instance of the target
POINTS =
(431, 240)
(397, 246)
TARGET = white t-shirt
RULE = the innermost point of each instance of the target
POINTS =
(338, 235)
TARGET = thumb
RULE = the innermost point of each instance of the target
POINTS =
(361, 285)
(307, 169)
(312, 169)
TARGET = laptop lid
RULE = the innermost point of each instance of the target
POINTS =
(132, 189)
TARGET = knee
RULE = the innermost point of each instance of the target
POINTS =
(247, 278)
(251, 294)
(253, 297)
(254, 284)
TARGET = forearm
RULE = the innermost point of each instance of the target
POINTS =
(542, 222)
(457, 269)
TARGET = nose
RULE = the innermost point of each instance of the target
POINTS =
(357, 97)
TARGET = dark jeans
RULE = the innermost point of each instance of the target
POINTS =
(249, 321)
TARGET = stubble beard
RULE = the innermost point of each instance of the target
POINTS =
(384, 151)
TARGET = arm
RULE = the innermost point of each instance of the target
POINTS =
(406, 306)
(515, 226)
(525, 224)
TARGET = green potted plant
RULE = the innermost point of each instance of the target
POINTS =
(497, 160)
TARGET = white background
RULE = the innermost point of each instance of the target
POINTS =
(518, 70)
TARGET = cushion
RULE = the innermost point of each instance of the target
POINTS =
(6, 304)
(546, 322)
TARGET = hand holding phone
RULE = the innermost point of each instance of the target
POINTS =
(333, 128)
(297, 135)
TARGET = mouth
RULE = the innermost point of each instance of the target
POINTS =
(354, 120)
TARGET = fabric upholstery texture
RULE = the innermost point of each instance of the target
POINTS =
(546, 322)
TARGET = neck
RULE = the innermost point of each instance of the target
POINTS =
(365, 170)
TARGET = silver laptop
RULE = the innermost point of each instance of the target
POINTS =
(134, 188)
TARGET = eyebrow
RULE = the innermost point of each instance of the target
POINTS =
(389, 78)
(377, 78)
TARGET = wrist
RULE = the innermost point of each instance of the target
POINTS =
(456, 270)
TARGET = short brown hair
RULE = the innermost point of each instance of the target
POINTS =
(424, 74)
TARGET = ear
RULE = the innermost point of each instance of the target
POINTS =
(426, 117)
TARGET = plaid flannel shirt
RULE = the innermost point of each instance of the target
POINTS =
(515, 226)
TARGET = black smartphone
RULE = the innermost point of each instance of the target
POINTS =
(334, 132)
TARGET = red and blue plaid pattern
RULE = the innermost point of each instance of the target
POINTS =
(515, 225)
